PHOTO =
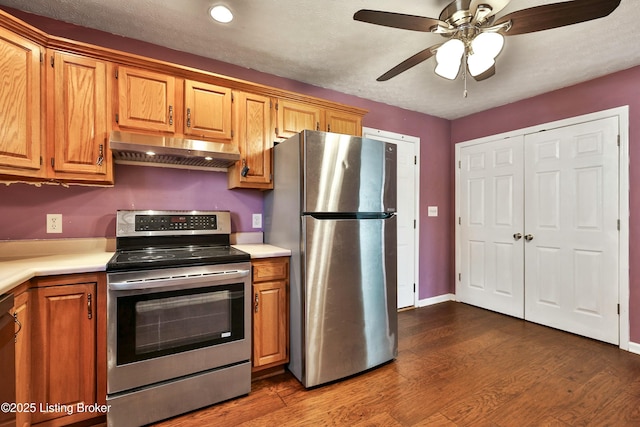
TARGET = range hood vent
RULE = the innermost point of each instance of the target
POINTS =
(151, 150)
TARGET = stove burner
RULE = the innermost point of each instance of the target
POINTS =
(151, 257)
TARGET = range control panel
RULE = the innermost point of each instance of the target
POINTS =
(175, 222)
(165, 223)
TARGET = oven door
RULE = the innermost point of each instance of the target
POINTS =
(168, 323)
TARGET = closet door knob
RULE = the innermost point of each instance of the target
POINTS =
(528, 237)
(517, 236)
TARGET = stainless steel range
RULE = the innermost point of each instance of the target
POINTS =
(178, 313)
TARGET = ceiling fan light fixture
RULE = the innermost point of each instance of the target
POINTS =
(221, 13)
(488, 45)
(478, 64)
(449, 57)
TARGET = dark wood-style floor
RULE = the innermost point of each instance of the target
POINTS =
(457, 366)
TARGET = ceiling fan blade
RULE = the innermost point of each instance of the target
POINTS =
(398, 20)
(410, 62)
(556, 15)
(495, 5)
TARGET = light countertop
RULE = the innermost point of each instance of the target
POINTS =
(262, 250)
(22, 260)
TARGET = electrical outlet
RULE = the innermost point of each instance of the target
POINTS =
(54, 223)
(257, 220)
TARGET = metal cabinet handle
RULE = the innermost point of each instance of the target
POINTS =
(257, 302)
(528, 237)
(89, 307)
(100, 155)
(188, 117)
(15, 319)
(517, 236)
(170, 115)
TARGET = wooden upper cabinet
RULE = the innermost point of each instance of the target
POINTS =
(207, 111)
(252, 130)
(146, 100)
(79, 143)
(20, 107)
(339, 122)
(293, 117)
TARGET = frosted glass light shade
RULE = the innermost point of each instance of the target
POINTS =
(488, 44)
(485, 47)
(448, 57)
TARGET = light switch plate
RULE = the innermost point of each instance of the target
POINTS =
(257, 220)
(432, 211)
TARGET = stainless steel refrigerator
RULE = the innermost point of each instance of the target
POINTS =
(333, 204)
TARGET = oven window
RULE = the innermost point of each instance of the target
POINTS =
(159, 324)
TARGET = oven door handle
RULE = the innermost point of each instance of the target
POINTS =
(163, 282)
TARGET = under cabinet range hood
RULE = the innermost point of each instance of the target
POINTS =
(163, 151)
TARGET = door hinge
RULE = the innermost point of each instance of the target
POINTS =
(231, 133)
(116, 74)
(459, 164)
(40, 160)
(414, 224)
(41, 57)
(618, 308)
(276, 106)
(52, 61)
(232, 98)
(117, 118)
(618, 140)
(459, 277)
(414, 288)
(618, 225)
(53, 162)
(415, 160)
(459, 220)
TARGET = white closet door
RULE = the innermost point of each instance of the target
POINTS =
(571, 227)
(491, 221)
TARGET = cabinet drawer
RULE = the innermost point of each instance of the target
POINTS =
(270, 269)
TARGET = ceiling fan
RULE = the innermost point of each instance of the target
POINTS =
(476, 35)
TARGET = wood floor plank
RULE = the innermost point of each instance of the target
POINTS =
(457, 365)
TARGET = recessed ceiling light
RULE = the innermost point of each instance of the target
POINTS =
(221, 14)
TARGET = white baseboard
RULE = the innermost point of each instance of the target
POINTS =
(634, 347)
(436, 300)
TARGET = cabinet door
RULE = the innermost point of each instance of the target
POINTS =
(339, 122)
(252, 125)
(270, 312)
(20, 107)
(207, 110)
(63, 357)
(80, 116)
(293, 117)
(23, 357)
(146, 100)
(270, 329)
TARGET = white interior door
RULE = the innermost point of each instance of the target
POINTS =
(571, 227)
(491, 225)
(407, 178)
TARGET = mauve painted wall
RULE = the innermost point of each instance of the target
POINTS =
(91, 211)
(615, 90)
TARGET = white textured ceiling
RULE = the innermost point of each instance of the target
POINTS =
(318, 42)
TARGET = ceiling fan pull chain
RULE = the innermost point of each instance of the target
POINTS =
(464, 75)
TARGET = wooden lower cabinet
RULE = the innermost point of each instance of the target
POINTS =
(270, 313)
(61, 349)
